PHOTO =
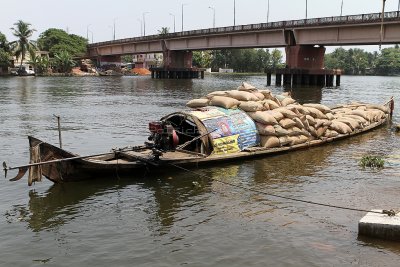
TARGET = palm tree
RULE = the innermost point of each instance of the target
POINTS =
(164, 31)
(23, 32)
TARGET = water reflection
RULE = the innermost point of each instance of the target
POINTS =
(310, 94)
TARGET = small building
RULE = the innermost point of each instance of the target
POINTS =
(147, 61)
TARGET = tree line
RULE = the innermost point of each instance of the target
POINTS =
(356, 61)
(61, 46)
(240, 60)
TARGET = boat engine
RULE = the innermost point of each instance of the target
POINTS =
(163, 135)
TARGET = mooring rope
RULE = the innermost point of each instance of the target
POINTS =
(388, 212)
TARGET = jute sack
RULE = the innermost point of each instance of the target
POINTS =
(305, 122)
(259, 95)
(287, 101)
(280, 97)
(294, 131)
(363, 108)
(382, 108)
(242, 95)
(246, 87)
(287, 123)
(320, 107)
(251, 106)
(316, 113)
(321, 131)
(276, 114)
(331, 133)
(340, 127)
(284, 140)
(265, 129)
(286, 112)
(311, 120)
(225, 102)
(198, 103)
(280, 131)
(361, 120)
(263, 117)
(217, 93)
(271, 103)
(298, 122)
(320, 123)
(269, 141)
(360, 113)
(267, 94)
(330, 116)
(352, 123)
(313, 131)
(297, 140)
(300, 108)
(375, 114)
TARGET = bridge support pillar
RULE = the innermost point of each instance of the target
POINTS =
(109, 60)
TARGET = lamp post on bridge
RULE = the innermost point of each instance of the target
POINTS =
(341, 9)
(268, 12)
(114, 29)
(92, 36)
(306, 8)
(182, 14)
(174, 20)
(213, 9)
(141, 27)
(234, 12)
(87, 31)
(144, 22)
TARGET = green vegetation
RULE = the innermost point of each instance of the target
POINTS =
(164, 31)
(55, 41)
(22, 45)
(372, 162)
(5, 52)
(240, 60)
(359, 62)
(63, 62)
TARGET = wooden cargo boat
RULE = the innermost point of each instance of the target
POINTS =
(189, 138)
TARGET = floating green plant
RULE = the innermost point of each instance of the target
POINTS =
(372, 161)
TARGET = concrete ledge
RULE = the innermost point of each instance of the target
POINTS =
(380, 226)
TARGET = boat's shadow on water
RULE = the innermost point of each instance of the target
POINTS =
(62, 203)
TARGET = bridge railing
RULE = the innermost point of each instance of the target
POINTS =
(334, 20)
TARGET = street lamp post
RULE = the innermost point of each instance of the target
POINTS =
(341, 9)
(92, 36)
(306, 8)
(234, 12)
(174, 19)
(114, 28)
(213, 15)
(268, 12)
(144, 23)
(182, 15)
(87, 31)
(141, 27)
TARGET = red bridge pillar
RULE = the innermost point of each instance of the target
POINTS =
(305, 57)
(177, 59)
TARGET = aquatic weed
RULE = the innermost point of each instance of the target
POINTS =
(372, 162)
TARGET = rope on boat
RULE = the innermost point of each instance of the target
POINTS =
(390, 212)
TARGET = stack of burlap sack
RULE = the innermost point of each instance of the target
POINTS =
(281, 121)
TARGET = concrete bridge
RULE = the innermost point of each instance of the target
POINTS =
(298, 36)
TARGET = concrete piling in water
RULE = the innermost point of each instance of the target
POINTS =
(379, 225)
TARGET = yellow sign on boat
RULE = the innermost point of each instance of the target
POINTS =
(225, 145)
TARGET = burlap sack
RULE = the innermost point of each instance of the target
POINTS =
(251, 106)
(263, 117)
(225, 102)
(324, 109)
(269, 141)
(198, 103)
(265, 129)
(242, 95)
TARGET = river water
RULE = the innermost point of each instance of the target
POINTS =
(178, 218)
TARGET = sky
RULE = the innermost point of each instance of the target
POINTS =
(96, 18)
